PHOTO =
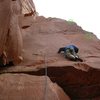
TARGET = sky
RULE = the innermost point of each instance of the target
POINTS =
(86, 13)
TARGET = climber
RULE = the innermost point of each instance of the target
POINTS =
(70, 52)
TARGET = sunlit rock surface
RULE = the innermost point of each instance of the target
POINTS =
(42, 39)
(28, 87)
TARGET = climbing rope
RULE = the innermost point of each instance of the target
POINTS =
(46, 81)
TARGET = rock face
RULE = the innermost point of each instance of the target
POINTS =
(27, 87)
(42, 39)
(11, 42)
(41, 43)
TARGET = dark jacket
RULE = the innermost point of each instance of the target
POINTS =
(73, 47)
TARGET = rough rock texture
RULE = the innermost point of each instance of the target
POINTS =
(27, 87)
(43, 38)
(16, 16)
(11, 43)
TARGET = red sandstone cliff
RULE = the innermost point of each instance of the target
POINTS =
(42, 38)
